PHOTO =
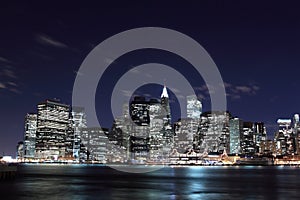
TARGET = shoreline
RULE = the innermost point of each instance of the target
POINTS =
(157, 165)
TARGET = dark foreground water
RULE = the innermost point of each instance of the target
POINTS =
(97, 182)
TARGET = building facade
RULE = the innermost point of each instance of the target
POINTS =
(54, 135)
(193, 107)
(235, 132)
(30, 135)
(296, 132)
(185, 130)
(96, 141)
(248, 143)
(155, 133)
(214, 132)
(78, 123)
(20, 151)
(260, 135)
(140, 130)
(283, 136)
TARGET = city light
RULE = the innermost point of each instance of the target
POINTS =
(145, 135)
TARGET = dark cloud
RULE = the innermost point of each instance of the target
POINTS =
(2, 59)
(9, 73)
(232, 91)
(8, 80)
(2, 86)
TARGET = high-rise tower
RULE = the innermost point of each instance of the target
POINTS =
(79, 122)
(235, 135)
(30, 135)
(214, 131)
(167, 130)
(166, 112)
(194, 107)
(54, 131)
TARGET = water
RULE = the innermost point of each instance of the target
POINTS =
(98, 182)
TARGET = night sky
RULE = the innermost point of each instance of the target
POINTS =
(255, 45)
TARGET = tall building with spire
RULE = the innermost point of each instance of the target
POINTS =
(166, 111)
(167, 130)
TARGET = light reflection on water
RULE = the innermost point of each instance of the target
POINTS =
(98, 182)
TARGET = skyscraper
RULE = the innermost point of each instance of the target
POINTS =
(284, 129)
(194, 107)
(214, 131)
(185, 130)
(139, 145)
(96, 141)
(79, 122)
(260, 135)
(296, 131)
(285, 138)
(168, 132)
(54, 131)
(20, 150)
(145, 131)
(156, 126)
(248, 143)
(139, 110)
(166, 111)
(235, 135)
(139, 137)
(30, 135)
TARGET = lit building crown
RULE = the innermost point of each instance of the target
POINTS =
(164, 93)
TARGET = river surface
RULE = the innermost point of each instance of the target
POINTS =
(204, 182)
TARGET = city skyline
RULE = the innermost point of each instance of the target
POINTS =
(144, 133)
(255, 48)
